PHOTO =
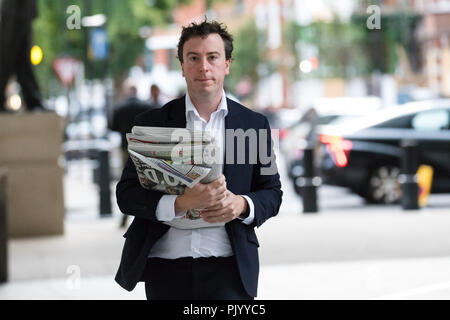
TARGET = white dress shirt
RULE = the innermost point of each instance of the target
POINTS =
(201, 242)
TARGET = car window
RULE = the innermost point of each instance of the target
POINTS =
(431, 120)
(400, 122)
(326, 119)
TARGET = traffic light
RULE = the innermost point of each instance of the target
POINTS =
(36, 55)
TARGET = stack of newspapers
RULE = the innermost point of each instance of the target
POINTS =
(169, 159)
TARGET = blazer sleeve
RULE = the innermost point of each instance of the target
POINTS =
(266, 191)
(132, 198)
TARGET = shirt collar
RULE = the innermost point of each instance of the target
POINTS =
(190, 108)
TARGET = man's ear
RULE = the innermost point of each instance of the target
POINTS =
(227, 66)
(182, 68)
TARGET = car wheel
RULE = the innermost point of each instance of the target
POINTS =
(383, 185)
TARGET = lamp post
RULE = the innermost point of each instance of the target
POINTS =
(97, 50)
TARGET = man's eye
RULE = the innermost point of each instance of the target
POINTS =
(193, 58)
(213, 58)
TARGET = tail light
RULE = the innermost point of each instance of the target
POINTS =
(339, 148)
(284, 132)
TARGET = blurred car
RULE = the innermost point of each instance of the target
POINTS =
(304, 135)
(365, 154)
(299, 136)
(285, 118)
(301, 132)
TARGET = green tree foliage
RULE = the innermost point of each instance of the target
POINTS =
(380, 45)
(49, 32)
(246, 55)
(124, 19)
(335, 44)
(348, 49)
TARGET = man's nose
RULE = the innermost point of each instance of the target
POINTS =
(204, 65)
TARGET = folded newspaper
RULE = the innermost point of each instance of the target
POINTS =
(169, 159)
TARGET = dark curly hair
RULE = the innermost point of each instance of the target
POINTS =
(203, 30)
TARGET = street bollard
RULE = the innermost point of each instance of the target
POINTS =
(308, 183)
(3, 229)
(104, 183)
(408, 178)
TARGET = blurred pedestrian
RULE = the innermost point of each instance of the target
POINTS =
(123, 118)
(206, 263)
(155, 97)
(15, 46)
(125, 112)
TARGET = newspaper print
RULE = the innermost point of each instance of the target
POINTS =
(185, 173)
(160, 169)
(180, 153)
(166, 135)
(159, 179)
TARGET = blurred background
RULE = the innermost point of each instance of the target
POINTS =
(358, 93)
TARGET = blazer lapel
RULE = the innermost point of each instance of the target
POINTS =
(231, 122)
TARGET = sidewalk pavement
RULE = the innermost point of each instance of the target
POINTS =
(339, 256)
(363, 253)
(393, 279)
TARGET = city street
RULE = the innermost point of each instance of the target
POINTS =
(346, 251)
(358, 92)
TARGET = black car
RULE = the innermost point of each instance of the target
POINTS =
(301, 134)
(365, 154)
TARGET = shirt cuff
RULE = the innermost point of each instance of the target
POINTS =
(165, 211)
(251, 215)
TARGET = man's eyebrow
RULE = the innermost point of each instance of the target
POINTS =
(197, 54)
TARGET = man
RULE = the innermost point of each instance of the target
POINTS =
(15, 45)
(205, 263)
(123, 118)
(155, 96)
(125, 112)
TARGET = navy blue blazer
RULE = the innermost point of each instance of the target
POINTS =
(242, 179)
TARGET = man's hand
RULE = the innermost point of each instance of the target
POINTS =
(226, 209)
(202, 195)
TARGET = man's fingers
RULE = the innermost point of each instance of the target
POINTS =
(217, 209)
(221, 199)
(211, 213)
(219, 181)
(217, 192)
(219, 204)
(210, 195)
(216, 216)
(221, 191)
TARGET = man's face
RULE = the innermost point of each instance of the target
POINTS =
(204, 64)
